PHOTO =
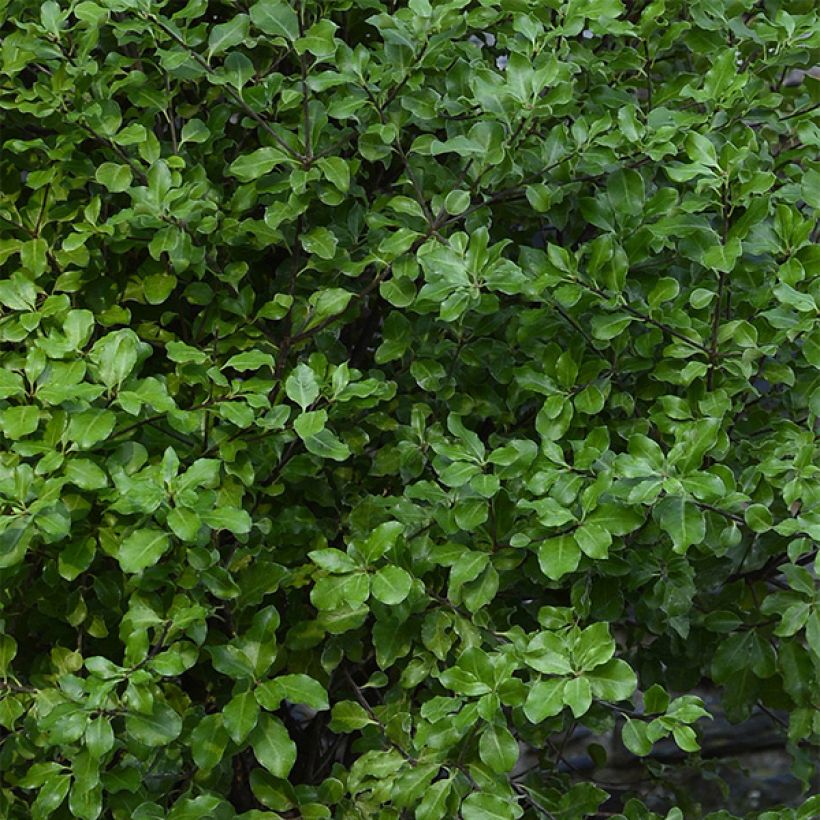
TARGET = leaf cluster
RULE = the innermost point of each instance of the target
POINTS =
(393, 392)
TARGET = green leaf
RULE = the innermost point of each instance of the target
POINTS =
(758, 517)
(593, 540)
(301, 386)
(142, 549)
(240, 715)
(682, 520)
(90, 427)
(634, 737)
(19, 422)
(51, 794)
(456, 202)
(613, 681)
(320, 241)
(578, 696)
(8, 651)
(326, 445)
(116, 177)
(486, 806)
(227, 35)
(195, 131)
(810, 188)
(184, 523)
(115, 356)
(548, 653)
(625, 191)
(608, 327)
(391, 585)
(379, 541)
(208, 742)
(701, 149)
(159, 728)
(347, 716)
(272, 746)
(275, 17)
(498, 748)
(433, 805)
(256, 164)
(250, 360)
(318, 40)
(310, 423)
(723, 258)
(226, 518)
(99, 737)
(11, 384)
(686, 738)
(295, 688)
(545, 699)
(592, 647)
(558, 556)
(337, 172)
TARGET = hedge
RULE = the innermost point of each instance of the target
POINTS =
(390, 392)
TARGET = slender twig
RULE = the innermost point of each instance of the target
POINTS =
(776, 718)
(43, 206)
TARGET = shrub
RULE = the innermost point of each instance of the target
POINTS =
(390, 390)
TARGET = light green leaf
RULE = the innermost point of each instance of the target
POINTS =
(256, 164)
(301, 386)
(320, 241)
(250, 360)
(116, 177)
(337, 172)
(194, 131)
(578, 696)
(593, 540)
(701, 149)
(326, 444)
(275, 17)
(391, 585)
(613, 681)
(227, 35)
(634, 737)
(209, 741)
(228, 518)
(310, 423)
(19, 422)
(295, 688)
(159, 728)
(381, 539)
(184, 523)
(433, 805)
(682, 520)
(558, 556)
(272, 746)
(240, 715)
(142, 549)
(545, 699)
(90, 427)
(498, 748)
(486, 806)
(115, 356)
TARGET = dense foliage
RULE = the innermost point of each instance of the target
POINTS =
(388, 390)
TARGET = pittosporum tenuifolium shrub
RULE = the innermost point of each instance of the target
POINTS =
(392, 393)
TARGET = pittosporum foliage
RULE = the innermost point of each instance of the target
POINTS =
(390, 389)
